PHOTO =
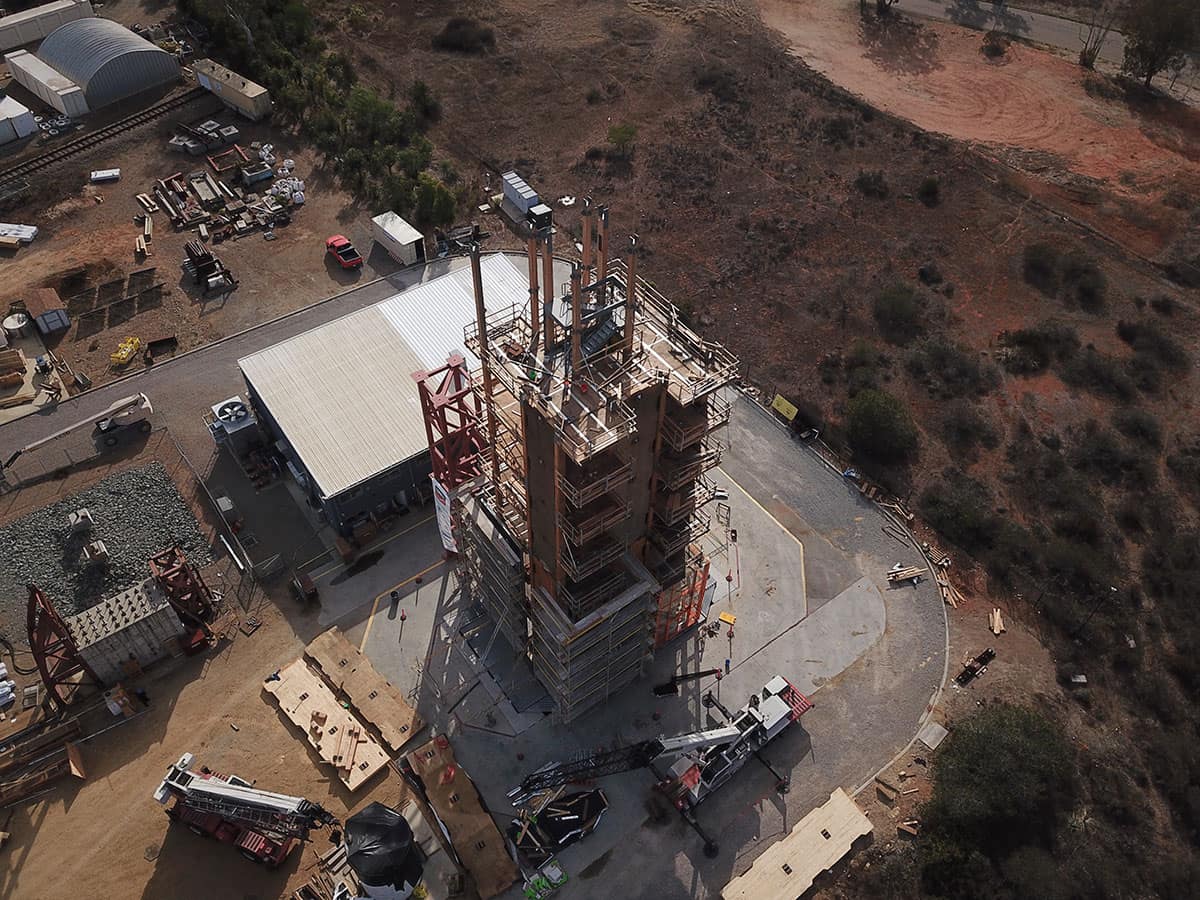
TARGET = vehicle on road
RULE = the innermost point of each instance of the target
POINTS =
(340, 248)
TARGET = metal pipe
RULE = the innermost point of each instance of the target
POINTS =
(630, 296)
(602, 268)
(588, 218)
(486, 360)
(548, 286)
(576, 320)
(532, 250)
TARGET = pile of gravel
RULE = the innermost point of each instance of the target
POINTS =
(137, 513)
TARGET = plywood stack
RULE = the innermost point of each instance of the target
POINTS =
(455, 799)
(334, 732)
(371, 695)
(819, 840)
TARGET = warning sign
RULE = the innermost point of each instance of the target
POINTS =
(784, 408)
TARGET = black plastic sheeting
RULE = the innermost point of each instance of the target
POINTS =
(380, 848)
(568, 819)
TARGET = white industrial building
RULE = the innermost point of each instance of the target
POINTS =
(342, 400)
(47, 84)
(20, 28)
(16, 121)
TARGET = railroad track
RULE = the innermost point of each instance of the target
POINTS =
(91, 139)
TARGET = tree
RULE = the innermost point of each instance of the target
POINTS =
(880, 428)
(1094, 32)
(622, 138)
(1158, 36)
(435, 203)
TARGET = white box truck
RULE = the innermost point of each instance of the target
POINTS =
(402, 242)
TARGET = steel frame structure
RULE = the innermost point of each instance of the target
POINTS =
(452, 412)
(54, 649)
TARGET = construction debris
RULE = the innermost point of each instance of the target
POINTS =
(22, 233)
(556, 824)
(901, 572)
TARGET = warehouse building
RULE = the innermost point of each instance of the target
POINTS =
(16, 121)
(340, 401)
(27, 26)
(46, 83)
(107, 61)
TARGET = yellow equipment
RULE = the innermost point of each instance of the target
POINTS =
(126, 350)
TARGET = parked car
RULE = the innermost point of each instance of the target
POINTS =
(340, 248)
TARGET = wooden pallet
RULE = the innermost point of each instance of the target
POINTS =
(908, 573)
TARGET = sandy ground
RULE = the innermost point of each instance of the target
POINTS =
(937, 77)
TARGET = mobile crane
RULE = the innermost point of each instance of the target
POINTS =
(263, 826)
(698, 762)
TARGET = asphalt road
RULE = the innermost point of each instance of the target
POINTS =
(1041, 28)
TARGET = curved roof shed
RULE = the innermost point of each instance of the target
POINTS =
(108, 61)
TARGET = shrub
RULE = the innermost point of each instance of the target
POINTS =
(1139, 425)
(1032, 350)
(1085, 281)
(462, 35)
(1004, 778)
(963, 428)
(930, 191)
(1041, 267)
(719, 81)
(1093, 371)
(1163, 305)
(880, 428)
(837, 129)
(950, 370)
(422, 102)
(622, 137)
(898, 310)
(1149, 340)
(872, 184)
(960, 510)
(594, 96)
(435, 203)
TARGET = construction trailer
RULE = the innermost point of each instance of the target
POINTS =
(600, 408)
(27, 26)
(241, 94)
(402, 242)
(46, 83)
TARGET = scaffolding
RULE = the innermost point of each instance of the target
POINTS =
(580, 536)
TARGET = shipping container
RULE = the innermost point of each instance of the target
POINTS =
(252, 100)
(47, 84)
(518, 193)
(20, 28)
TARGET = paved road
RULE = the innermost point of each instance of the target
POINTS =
(1042, 28)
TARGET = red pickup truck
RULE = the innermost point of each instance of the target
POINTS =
(340, 248)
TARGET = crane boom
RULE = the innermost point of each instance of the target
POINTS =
(125, 407)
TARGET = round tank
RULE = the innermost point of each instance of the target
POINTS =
(18, 325)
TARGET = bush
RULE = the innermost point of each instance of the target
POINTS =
(930, 191)
(1032, 350)
(963, 428)
(837, 130)
(1085, 281)
(872, 184)
(881, 429)
(960, 510)
(622, 137)
(1004, 778)
(719, 81)
(1163, 305)
(898, 310)
(1098, 453)
(949, 370)
(862, 365)
(1093, 371)
(594, 96)
(435, 203)
(461, 35)
(1041, 267)
(1140, 426)
(1149, 340)
(423, 103)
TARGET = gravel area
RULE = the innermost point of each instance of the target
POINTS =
(137, 513)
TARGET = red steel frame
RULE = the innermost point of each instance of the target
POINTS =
(185, 590)
(54, 649)
(679, 607)
(452, 412)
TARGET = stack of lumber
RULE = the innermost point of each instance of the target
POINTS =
(372, 696)
(995, 622)
(905, 573)
(333, 731)
(950, 594)
(455, 801)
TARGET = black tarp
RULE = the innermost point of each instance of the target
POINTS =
(380, 848)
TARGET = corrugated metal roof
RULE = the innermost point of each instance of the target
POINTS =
(343, 393)
(106, 59)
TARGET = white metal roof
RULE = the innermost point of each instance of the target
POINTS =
(343, 393)
(397, 228)
(11, 109)
(42, 71)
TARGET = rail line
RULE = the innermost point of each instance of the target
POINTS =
(91, 139)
